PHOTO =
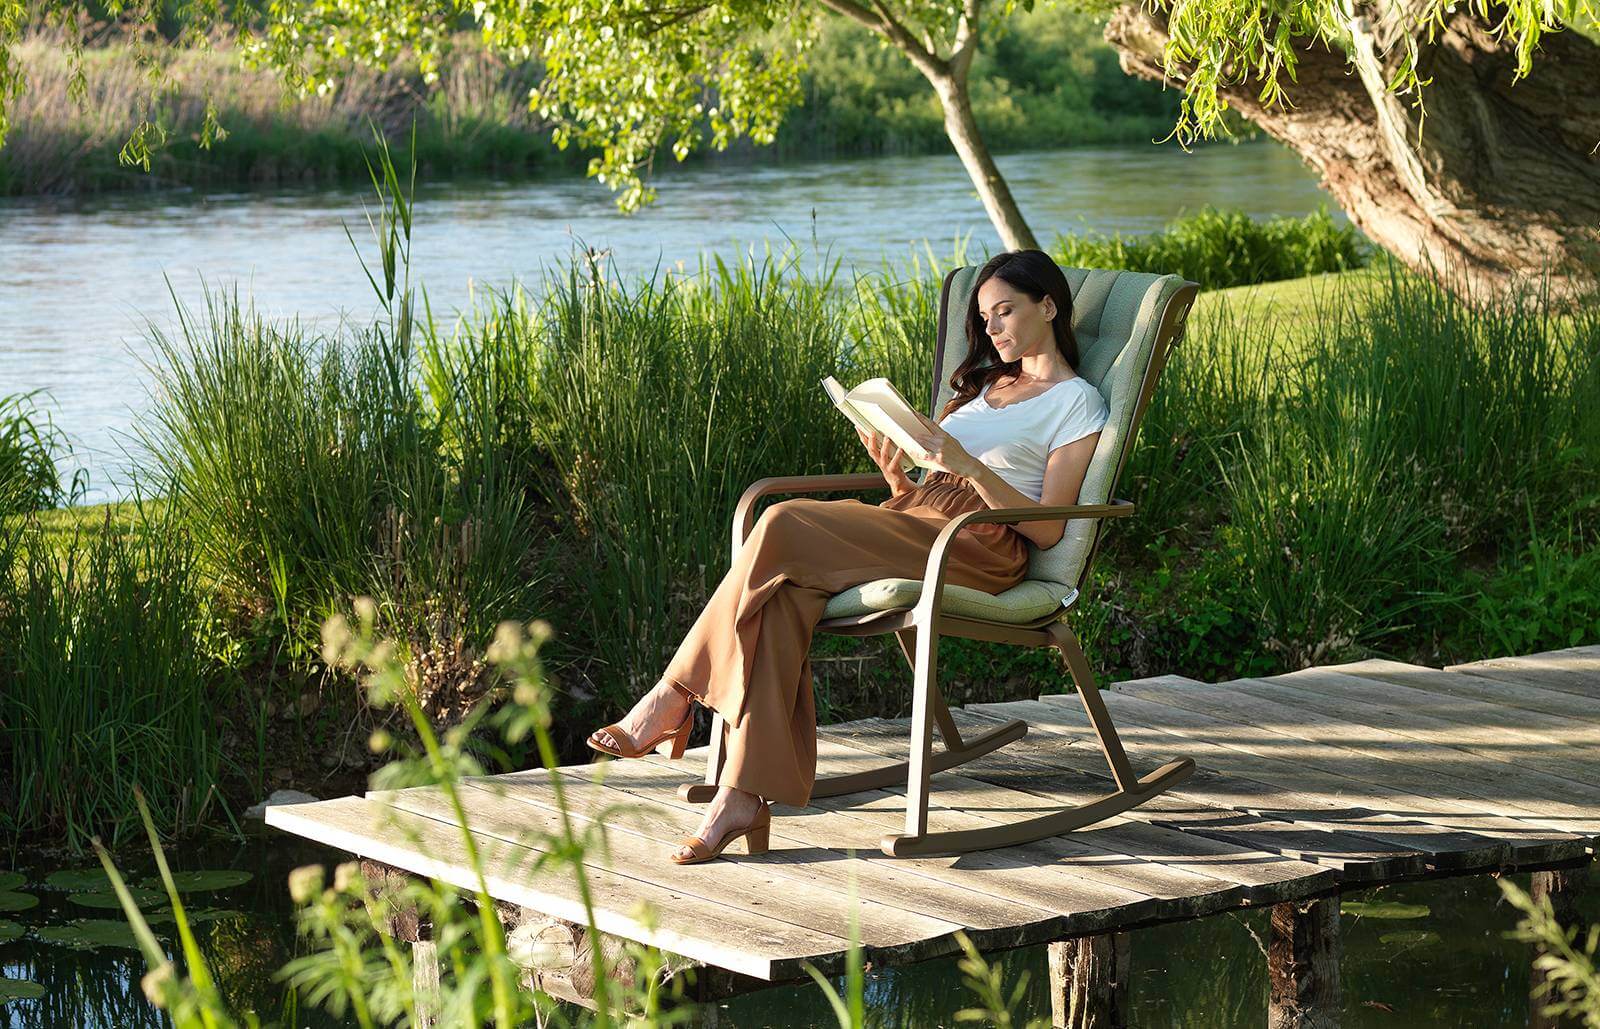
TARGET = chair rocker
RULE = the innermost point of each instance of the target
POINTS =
(1126, 324)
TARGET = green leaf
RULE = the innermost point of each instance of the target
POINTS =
(10, 901)
(90, 934)
(19, 989)
(201, 881)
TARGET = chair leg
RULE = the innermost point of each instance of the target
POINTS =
(957, 751)
(1130, 791)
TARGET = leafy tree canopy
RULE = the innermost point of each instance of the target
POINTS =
(624, 77)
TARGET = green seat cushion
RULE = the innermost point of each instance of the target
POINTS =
(1026, 601)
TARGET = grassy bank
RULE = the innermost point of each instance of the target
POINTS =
(859, 100)
(1334, 466)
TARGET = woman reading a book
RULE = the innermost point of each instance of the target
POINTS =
(1019, 431)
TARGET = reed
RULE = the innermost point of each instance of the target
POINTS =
(109, 681)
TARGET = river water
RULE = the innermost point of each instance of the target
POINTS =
(81, 280)
(1429, 953)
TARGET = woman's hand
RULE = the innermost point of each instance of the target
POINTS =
(945, 453)
(886, 455)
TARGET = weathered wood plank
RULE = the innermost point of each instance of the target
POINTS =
(798, 856)
(1471, 732)
(1263, 877)
(1076, 906)
(1580, 713)
(1575, 670)
(894, 934)
(1092, 881)
(1449, 831)
(1301, 728)
(1473, 719)
(724, 935)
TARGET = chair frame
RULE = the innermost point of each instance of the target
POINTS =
(919, 629)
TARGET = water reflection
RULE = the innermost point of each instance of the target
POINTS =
(1421, 953)
(81, 275)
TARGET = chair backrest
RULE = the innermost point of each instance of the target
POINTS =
(1125, 322)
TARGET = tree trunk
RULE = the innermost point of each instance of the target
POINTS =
(1501, 181)
(962, 128)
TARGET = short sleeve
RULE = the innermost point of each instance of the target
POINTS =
(1085, 415)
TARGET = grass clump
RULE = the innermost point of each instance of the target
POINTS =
(109, 680)
(1220, 249)
(29, 445)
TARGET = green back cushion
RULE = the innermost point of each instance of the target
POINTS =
(1115, 316)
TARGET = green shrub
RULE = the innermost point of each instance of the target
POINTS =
(1219, 249)
(1544, 597)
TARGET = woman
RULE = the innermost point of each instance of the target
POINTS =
(1019, 431)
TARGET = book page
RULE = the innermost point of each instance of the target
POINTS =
(869, 418)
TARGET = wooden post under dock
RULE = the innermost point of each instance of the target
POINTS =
(1308, 784)
(1563, 887)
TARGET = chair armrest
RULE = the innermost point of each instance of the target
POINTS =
(939, 556)
(743, 513)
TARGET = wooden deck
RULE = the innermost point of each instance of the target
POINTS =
(1307, 783)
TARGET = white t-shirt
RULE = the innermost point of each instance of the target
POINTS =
(1016, 439)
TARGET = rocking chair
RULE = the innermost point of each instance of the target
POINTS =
(1126, 323)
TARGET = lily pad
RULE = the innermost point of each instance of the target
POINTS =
(201, 881)
(1383, 909)
(89, 934)
(109, 901)
(9, 931)
(211, 915)
(79, 880)
(11, 880)
(1411, 938)
(19, 989)
(17, 901)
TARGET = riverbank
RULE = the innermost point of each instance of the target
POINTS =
(858, 100)
(521, 467)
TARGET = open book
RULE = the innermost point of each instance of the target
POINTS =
(876, 406)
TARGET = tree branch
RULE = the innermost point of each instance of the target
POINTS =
(883, 22)
(966, 44)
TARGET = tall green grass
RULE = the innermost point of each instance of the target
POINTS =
(30, 445)
(109, 681)
(1219, 249)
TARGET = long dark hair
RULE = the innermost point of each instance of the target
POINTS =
(1031, 272)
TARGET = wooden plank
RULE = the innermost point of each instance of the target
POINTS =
(1344, 842)
(986, 918)
(1472, 728)
(1069, 875)
(631, 851)
(959, 802)
(1575, 670)
(1238, 751)
(1579, 710)
(1297, 730)
(1074, 907)
(1310, 817)
(731, 938)
(1263, 877)
(1484, 706)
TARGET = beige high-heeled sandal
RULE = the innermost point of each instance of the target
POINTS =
(756, 836)
(672, 742)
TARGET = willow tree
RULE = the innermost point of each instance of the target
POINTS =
(1460, 135)
(622, 77)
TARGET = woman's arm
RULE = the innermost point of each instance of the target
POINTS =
(1064, 472)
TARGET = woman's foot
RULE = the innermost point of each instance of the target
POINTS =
(653, 718)
(730, 811)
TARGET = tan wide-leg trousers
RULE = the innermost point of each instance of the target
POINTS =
(746, 656)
